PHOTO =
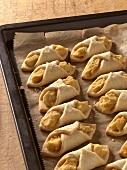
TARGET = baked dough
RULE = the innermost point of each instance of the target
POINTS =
(103, 63)
(86, 158)
(118, 126)
(123, 150)
(113, 101)
(49, 72)
(41, 56)
(90, 47)
(58, 92)
(106, 82)
(67, 138)
(117, 165)
(64, 114)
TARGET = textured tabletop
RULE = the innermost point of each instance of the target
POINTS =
(12, 11)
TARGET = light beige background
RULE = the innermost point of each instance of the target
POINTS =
(12, 11)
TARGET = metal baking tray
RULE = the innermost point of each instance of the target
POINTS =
(16, 94)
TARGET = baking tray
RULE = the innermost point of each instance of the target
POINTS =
(16, 94)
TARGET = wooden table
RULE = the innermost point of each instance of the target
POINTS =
(28, 10)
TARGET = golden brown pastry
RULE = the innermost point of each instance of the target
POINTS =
(86, 158)
(64, 114)
(117, 165)
(118, 125)
(49, 72)
(90, 47)
(67, 138)
(58, 92)
(113, 101)
(103, 63)
(41, 56)
(106, 82)
(123, 150)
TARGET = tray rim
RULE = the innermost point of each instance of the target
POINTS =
(4, 51)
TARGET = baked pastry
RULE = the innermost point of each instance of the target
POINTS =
(64, 114)
(118, 125)
(86, 158)
(113, 101)
(41, 56)
(123, 150)
(117, 165)
(103, 63)
(49, 72)
(58, 92)
(90, 47)
(106, 82)
(67, 138)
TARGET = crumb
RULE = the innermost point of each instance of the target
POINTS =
(21, 88)
(113, 140)
(36, 90)
(38, 118)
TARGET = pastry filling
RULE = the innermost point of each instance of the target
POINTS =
(51, 119)
(104, 41)
(99, 150)
(108, 102)
(60, 50)
(69, 164)
(54, 143)
(124, 74)
(66, 66)
(97, 85)
(92, 66)
(118, 57)
(124, 150)
(85, 129)
(118, 124)
(82, 106)
(80, 52)
(37, 75)
(70, 81)
(32, 59)
(49, 98)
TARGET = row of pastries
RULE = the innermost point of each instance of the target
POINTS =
(62, 119)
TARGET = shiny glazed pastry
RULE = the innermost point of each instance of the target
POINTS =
(67, 138)
(90, 47)
(123, 150)
(113, 101)
(86, 158)
(41, 56)
(58, 92)
(49, 72)
(106, 82)
(103, 63)
(118, 125)
(64, 114)
(117, 165)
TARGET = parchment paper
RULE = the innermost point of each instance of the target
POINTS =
(26, 42)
